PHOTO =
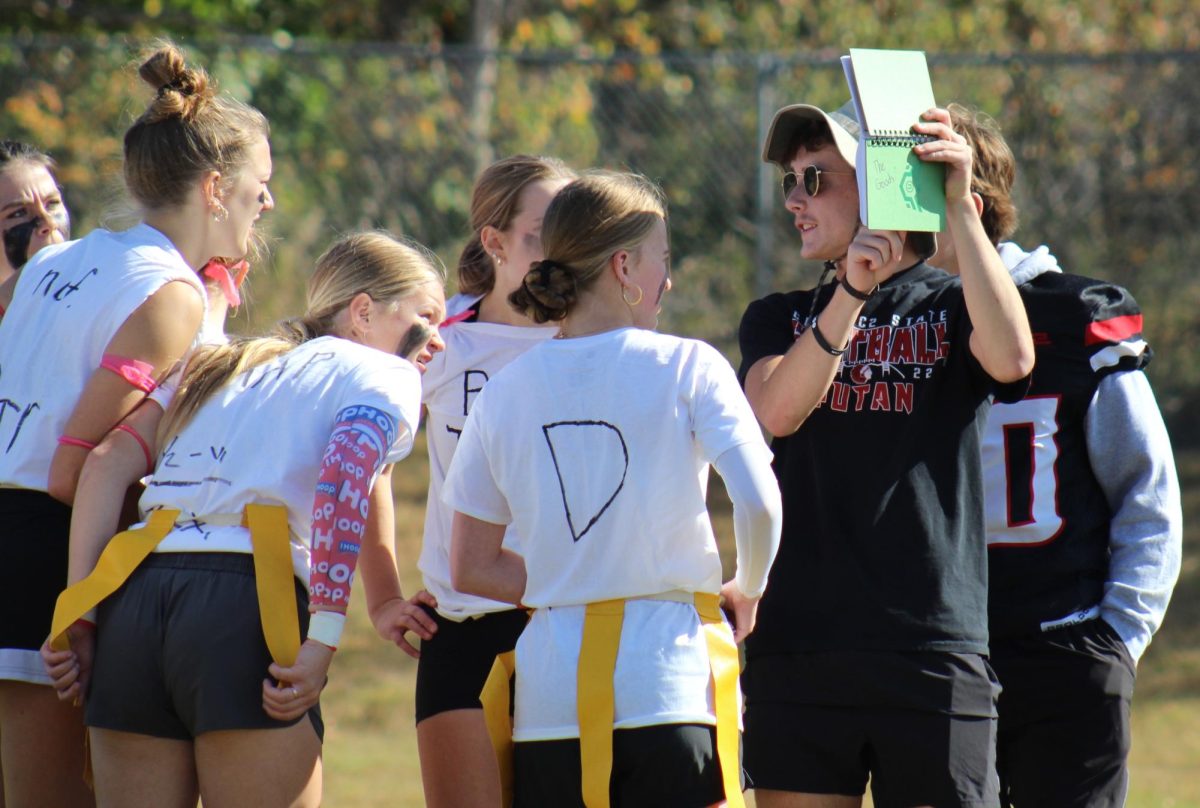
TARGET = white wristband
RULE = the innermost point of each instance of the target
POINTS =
(326, 628)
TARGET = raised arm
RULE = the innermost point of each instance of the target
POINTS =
(158, 334)
(784, 390)
(1001, 339)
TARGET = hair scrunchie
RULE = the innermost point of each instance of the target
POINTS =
(550, 288)
(555, 276)
(542, 271)
(176, 85)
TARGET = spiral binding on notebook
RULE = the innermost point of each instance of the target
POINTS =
(896, 137)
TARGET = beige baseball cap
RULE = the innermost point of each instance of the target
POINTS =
(842, 126)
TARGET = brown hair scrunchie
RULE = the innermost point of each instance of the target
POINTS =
(553, 282)
(547, 292)
(545, 272)
(177, 85)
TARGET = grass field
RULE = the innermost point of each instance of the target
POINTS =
(371, 749)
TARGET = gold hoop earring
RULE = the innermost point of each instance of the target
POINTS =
(219, 212)
(632, 303)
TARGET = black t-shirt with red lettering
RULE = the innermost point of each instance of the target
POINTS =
(883, 538)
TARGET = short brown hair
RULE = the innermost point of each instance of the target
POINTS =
(810, 135)
(186, 131)
(994, 170)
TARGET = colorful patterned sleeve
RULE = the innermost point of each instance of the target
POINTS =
(357, 449)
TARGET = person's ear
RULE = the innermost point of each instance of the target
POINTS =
(493, 244)
(210, 187)
(978, 200)
(619, 264)
(359, 308)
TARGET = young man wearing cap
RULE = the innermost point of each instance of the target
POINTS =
(1084, 526)
(867, 659)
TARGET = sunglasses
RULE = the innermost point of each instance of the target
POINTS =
(811, 175)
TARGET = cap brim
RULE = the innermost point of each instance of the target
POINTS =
(789, 119)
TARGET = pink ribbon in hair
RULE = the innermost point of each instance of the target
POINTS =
(229, 277)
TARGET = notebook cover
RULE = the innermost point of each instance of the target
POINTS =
(897, 190)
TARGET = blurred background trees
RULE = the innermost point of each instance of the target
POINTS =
(383, 111)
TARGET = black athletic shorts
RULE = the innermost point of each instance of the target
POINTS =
(1064, 716)
(920, 725)
(180, 649)
(664, 766)
(34, 533)
(455, 664)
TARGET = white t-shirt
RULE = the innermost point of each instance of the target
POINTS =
(474, 353)
(261, 439)
(70, 300)
(597, 450)
(210, 334)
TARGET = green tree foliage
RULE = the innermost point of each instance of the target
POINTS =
(372, 105)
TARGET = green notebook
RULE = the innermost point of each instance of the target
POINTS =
(897, 190)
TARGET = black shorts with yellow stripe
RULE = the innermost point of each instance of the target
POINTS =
(180, 649)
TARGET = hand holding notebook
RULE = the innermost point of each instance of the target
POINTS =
(896, 189)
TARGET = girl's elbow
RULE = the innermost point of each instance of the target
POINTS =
(61, 487)
(460, 573)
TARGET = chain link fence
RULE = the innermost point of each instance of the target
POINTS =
(375, 135)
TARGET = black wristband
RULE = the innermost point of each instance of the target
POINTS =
(854, 293)
(823, 343)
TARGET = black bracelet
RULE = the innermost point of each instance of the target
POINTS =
(854, 293)
(823, 343)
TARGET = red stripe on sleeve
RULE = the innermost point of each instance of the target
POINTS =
(1114, 330)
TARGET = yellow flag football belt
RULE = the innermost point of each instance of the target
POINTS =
(497, 716)
(596, 699)
(273, 578)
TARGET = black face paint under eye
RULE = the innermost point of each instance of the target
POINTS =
(415, 341)
(16, 240)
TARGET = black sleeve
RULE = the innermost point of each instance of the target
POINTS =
(1112, 329)
(1083, 327)
(766, 330)
(1011, 392)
